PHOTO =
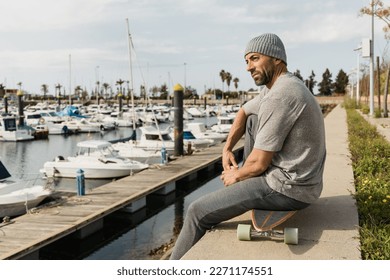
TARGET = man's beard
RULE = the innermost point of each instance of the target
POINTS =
(264, 78)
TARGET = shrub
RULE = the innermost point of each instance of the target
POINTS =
(370, 154)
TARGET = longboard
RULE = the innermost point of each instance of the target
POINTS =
(264, 223)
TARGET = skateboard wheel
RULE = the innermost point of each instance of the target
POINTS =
(244, 232)
(291, 236)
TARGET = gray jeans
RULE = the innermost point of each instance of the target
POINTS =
(229, 202)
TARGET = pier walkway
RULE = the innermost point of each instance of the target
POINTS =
(328, 229)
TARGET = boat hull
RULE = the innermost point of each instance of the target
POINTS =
(18, 202)
(91, 171)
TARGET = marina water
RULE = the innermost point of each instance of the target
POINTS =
(125, 235)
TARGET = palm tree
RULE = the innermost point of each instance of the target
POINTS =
(106, 86)
(45, 90)
(58, 88)
(120, 82)
(235, 81)
(228, 80)
(222, 74)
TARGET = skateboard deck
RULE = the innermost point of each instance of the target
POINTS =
(264, 223)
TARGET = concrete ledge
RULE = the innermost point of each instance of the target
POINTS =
(328, 229)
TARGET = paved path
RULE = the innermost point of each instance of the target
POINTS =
(328, 229)
(382, 125)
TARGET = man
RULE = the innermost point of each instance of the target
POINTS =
(284, 150)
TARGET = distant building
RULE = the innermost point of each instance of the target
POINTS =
(11, 93)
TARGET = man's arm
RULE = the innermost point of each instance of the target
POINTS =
(256, 163)
(236, 132)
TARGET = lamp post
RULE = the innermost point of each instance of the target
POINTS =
(372, 63)
(358, 75)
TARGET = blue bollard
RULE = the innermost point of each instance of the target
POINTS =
(163, 155)
(80, 179)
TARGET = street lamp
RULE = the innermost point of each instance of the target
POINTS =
(372, 64)
(358, 75)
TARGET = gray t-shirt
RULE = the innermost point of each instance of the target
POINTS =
(291, 124)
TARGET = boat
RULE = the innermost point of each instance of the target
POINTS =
(195, 112)
(189, 140)
(153, 139)
(10, 131)
(127, 150)
(201, 132)
(224, 124)
(16, 197)
(97, 159)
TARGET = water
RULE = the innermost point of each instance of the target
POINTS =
(125, 235)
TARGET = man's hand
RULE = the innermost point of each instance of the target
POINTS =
(228, 160)
(230, 176)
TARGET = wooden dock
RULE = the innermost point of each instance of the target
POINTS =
(84, 215)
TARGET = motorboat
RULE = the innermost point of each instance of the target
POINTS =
(82, 125)
(195, 112)
(154, 139)
(17, 197)
(10, 131)
(224, 124)
(97, 159)
(127, 150)
(200, 131)
(189, 140)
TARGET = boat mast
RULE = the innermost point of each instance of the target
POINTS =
(70, 79)
(129, 41)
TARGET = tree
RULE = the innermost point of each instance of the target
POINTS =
(326, 85)
(58, 90)
(236, 81)
(120, 82)
(380, 11)
(228, 80)
(45, 89)
(297, 73)
(310, 83)
(222, 74)
(341, 82)
(106, 86)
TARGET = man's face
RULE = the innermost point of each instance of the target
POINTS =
(261, 68)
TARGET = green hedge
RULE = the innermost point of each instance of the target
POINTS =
(370, 153)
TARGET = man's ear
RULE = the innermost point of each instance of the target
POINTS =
(277, 61)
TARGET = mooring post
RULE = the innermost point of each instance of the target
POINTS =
(120, 97)
(6, 104)
(164, 155)
(80, 179)
(20, 103)
(178, 119)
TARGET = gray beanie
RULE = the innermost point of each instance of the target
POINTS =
(267, 44)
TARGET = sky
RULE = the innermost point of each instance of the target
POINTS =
(188, 42)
